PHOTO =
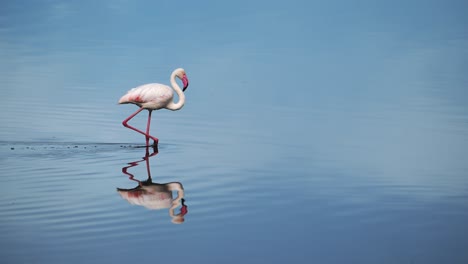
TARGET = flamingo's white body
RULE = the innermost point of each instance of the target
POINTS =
(155, 96)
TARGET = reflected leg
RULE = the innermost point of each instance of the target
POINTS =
(135, 163)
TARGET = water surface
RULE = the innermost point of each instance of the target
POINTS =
(338, 134)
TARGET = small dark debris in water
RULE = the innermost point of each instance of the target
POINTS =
(75, 146)
(84, 147)
(27, 147)
(68, 147)
(12, 148)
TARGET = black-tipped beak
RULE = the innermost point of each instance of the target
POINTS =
(185, 82)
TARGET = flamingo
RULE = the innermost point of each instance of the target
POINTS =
(155, 96)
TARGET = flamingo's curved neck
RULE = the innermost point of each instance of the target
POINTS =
(175, 186)
(175, 86)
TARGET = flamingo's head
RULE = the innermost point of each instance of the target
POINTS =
(180, 73)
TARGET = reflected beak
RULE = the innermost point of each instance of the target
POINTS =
(185, 82)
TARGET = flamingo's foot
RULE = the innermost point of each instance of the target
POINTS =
(155, 146)
(155, 141)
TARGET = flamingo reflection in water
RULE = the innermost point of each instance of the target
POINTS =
(155, 196)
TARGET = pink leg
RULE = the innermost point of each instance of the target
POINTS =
(148, 136)
(139, 131)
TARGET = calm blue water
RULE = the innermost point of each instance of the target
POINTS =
(322, 132)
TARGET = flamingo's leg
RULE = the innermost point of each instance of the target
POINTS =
(125, 123)
(148, 136)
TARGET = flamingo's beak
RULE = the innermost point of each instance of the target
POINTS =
(185, 82)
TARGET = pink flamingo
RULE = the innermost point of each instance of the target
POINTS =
(155, 96)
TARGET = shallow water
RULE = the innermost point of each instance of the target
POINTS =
(336, 135)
